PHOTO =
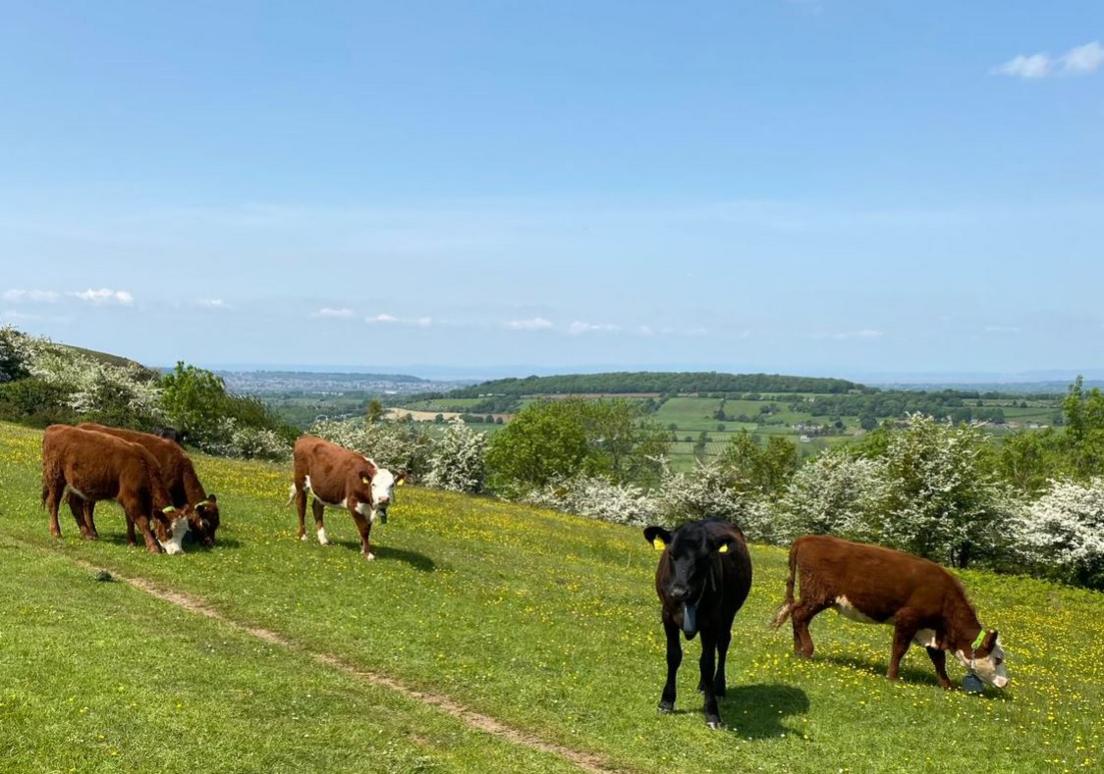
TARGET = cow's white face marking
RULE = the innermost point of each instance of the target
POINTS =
(175, 545)
(844, 607)
(991, 669)
(926, 638)
(383, 486)
(322, 540)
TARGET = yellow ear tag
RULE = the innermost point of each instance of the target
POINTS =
(400, 482)
(659, 544)
(723, 549)
(366, 480)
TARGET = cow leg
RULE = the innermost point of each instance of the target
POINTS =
(364, 527)
(707, 666)
(939, 660)
(53, 496)
(801, 616)
(720, 685)
(144, 525)
(904, 630)
(76, 507)
(89, 518)
(301, 509)
(130, 531)
(674, 660)
(319, 527)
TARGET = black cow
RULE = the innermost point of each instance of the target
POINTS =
(703, 578)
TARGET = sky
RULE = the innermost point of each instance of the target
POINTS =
(803, 186)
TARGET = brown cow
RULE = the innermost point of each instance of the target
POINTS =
(870, 584)
(178, 474)
(341, 478)
(95, 466)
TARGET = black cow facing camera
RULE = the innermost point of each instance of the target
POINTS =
(703, 578)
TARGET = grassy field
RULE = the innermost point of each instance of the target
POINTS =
(544, 621)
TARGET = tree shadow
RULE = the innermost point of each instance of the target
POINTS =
(418, 561)
(758, 711)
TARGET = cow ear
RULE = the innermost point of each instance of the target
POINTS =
(211, 498)
(402, 478)
(990, 641)
(658, 537)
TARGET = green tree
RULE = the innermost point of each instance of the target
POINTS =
(192, 399)
(542, 443)
(374, 412)
(13, 364)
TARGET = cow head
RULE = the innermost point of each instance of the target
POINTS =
(172, 524)
(383, 490)
(690, 553)
(204, 521)
(986, 659)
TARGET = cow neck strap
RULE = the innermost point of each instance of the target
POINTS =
(979, 639)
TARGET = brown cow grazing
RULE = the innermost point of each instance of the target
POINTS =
(870, 584)
(94, 466)
(703, 578)
(179, 476)
(341, 478)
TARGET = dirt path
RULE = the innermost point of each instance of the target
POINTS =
(477, 720)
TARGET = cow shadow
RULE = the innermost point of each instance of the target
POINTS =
(190, 545)
(758, 711)
(907, 674)
(418, 561)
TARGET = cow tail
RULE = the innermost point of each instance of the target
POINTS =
(788, 604)
(291, 495)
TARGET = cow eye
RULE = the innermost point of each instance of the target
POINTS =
(998, 661)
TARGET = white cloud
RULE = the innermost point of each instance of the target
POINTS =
(340, 312)
(212, 303)
(532, 324)
(1085, 59)
(865, 333)
(104, 296)
(1021, 66)
(18, 296)
(1079, 60)
(390, 319)
(1002, 329)
(578, 328)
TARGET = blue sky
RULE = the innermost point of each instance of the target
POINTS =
(817, 187)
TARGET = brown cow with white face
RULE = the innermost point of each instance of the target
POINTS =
(178, 475)
(871, 584)
(338, 477)
(95, 466)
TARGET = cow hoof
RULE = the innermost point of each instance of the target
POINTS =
(666, 707)
(369, 557)
(715, 725)
(303, 537)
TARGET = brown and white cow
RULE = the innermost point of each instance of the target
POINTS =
(338, 477)
(178, 475)
(95, 466)
(871, 584)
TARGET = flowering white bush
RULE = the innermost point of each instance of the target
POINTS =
(394, 445)
(941, 503)
(456, 462)
(707, 491)
(598, 498)
(1062, 533)
(833, 494)
(248, 442)
(97, 387)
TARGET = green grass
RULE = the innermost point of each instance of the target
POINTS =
(545, 621)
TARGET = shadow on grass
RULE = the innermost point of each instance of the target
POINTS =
(418, 561)
(907, 674)
(758, 711)
(190, 544)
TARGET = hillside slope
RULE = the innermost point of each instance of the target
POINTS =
(549, 623)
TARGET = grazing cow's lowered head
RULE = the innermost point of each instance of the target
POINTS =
(986, 659)
(172, 524)
(383, 484)
(204, 520)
